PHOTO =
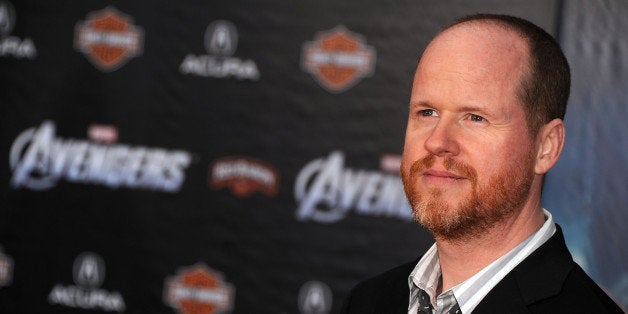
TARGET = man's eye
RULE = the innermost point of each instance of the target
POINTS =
(476, 118)
(428, 113)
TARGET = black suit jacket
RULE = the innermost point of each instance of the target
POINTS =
(547, 281)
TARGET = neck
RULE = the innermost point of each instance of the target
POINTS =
(460, 260)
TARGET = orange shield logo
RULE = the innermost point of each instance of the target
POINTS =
(198, 290)
(108, 39)
(338, 59)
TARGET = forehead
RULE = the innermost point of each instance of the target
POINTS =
(473, 62)
(477, 49)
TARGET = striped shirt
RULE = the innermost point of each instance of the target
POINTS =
(426, 275)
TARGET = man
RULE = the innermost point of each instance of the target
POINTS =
(485, 125)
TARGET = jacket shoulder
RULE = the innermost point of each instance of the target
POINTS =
(579, 294)
(387, 292)
(548, 281)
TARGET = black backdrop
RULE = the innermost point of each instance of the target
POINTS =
(198, 157)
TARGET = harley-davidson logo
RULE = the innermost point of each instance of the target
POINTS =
(109, 39)
(198, 290)
(338, 59)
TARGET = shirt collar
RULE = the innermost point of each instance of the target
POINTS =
(426, 275)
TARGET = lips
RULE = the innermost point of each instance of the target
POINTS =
(436, 174)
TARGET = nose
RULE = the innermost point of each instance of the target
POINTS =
(442, 140)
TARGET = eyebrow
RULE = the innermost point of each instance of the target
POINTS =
(463, 108)
(419, 104)
(473, 108)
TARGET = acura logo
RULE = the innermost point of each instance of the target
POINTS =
(7, 18)
(315, 298)
(89, 270)
(221, 38)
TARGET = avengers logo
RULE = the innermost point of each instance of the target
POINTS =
(39, 159)
(327, 191)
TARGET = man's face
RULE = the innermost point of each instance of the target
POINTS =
(468, 159)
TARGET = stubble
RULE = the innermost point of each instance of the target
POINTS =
(484, 206)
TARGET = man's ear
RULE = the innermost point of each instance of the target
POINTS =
(550, 141)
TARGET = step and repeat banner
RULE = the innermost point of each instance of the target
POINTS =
(242, 157)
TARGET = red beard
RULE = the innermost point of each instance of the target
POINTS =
(505, 194)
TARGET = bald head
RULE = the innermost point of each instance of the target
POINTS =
(488, 57)
(542, 72)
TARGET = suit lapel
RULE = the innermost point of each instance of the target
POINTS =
(396, 296)
(539, 276)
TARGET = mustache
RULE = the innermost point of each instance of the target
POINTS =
(455, 166)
